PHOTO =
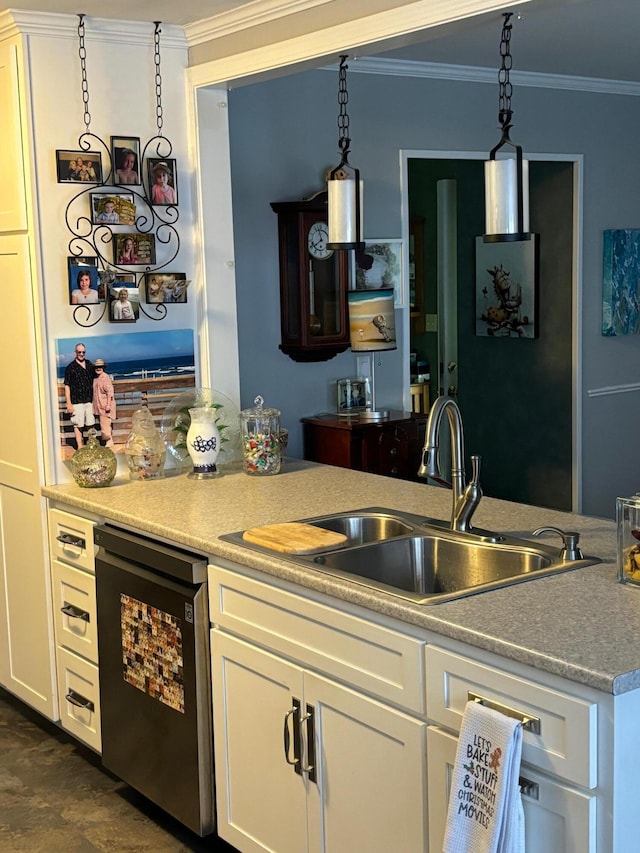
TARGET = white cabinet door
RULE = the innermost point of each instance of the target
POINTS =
(13, 200)
(558, 818)
(371, 773)
(26, 630)
(27, 665)
(261, 800)
(368, 790)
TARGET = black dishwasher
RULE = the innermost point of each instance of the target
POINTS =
(155, 683)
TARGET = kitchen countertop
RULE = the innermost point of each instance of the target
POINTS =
(581, 625)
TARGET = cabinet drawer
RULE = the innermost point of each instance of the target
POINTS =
(380, 661)
(79, 697)
(71, 539)
(74, 613)
(557, 818)
(567, 743)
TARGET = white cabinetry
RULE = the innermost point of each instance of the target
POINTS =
(558, 817)
(26, 635)
(74, 608)
(305, 759)
(559, 772)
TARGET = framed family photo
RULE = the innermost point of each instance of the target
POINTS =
(125, 159)
(163, 185)
(79, 167)
(134, 249)
(113, 209)
(124, 301)
(165, 287)
(84, 281)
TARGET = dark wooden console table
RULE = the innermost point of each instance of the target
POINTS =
(391, 447)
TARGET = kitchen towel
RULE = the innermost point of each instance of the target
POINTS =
(485, 813)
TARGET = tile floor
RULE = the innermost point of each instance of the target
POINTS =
(56, 798)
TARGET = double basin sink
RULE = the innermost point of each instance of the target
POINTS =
(423, 560)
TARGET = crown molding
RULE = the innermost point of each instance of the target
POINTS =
(51, 25)
(310, 48)
(250, 15)
(475, 74)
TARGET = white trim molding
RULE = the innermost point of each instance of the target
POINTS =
(606, 390)
(249, 15)
(476, 74)
(313, 49)
(52, 25)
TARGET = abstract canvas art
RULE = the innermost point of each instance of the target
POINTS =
(621, 283)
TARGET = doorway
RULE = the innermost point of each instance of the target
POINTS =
(517, 395)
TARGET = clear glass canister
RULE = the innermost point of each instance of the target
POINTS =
(628, 518)
(261, 445)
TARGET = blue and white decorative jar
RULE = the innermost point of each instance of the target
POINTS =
(203, 442)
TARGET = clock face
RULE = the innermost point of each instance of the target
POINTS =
(317, 241)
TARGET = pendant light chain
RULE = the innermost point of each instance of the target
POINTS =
(344, 141)
(505, 113)
(82, 53)
(158, 76)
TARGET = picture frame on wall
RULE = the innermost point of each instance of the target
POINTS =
(84, 167)
(124, 302)
(125, 160)
(163, 181)
(166, 287)
(134, 248)
(621, 282)
(386, 269)
(112, 209)
(84, 281)
(119, 280)
(507, 288)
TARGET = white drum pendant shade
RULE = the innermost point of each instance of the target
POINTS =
(342, 213)
(501, 196)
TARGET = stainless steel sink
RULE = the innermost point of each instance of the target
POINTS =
(364, 527)
(422, 560)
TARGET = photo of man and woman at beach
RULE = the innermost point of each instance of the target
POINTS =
(143, 369)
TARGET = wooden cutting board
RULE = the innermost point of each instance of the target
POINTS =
(294, 537)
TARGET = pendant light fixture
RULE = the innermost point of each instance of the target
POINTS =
(343, 182)
(506, 179)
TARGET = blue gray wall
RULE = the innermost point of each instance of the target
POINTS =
(283, 138)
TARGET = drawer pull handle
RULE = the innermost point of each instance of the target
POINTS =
(68, 539)
(79, 701)
(529, 788)
(529, 722)
(75, 612)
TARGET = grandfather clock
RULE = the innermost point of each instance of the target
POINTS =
(313, 282)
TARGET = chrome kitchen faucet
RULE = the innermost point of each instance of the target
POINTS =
(466, 496)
